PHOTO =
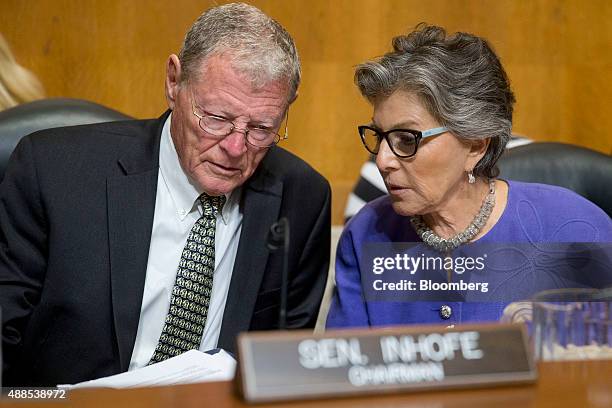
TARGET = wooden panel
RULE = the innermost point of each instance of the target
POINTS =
(557, 54)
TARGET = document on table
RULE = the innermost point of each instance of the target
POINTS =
(190, 367)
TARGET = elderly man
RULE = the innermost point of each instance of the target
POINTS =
(124, 244)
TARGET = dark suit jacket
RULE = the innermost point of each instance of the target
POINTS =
(76, 212)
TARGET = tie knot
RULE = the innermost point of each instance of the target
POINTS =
(211, 205)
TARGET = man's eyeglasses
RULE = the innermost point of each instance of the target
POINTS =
(402, 142)
(255, 136)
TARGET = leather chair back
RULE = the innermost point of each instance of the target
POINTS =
(584, 171)
(24, 119)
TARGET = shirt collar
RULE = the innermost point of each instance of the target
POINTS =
(182, 189)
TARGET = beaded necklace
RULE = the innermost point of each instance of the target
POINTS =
(448, 244)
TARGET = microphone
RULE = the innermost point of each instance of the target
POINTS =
(278, 238)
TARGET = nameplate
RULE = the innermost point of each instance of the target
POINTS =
(276, 366)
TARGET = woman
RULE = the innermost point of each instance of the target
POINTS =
(442, 118)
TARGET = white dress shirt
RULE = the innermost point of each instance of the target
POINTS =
(176, 211)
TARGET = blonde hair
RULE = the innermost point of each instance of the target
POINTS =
(17, 84)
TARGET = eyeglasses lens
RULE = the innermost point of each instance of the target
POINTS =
(371, 140)
(403, 143)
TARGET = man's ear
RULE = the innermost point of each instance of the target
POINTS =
(173, 80)
(478, 148)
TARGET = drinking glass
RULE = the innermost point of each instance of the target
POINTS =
(572, 324)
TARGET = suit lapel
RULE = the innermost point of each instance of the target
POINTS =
(131, 206)
(261, 200)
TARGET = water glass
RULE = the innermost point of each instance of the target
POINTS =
(572, 324)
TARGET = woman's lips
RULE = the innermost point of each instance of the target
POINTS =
(396, 190)
(392, 186)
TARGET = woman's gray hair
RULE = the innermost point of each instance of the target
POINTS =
(257, 45)
(458, 78)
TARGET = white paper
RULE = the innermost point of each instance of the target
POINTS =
(190, 367)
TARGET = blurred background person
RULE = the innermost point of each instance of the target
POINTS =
(17, 84)
(442, 118)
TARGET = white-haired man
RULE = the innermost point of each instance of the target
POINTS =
(124, 244)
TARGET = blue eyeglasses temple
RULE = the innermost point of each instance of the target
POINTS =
(434, 131)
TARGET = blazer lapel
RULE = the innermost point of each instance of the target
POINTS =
(261, 200)
(131, 206)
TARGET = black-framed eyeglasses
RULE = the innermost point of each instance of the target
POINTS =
(221, 127)
(402, 142)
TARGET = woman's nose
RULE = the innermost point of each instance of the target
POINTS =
(385, 159)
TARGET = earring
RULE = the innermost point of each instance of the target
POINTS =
(471, 178)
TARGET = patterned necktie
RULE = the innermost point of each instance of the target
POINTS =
(186, 318)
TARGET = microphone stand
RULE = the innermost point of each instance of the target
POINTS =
(277, 238)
